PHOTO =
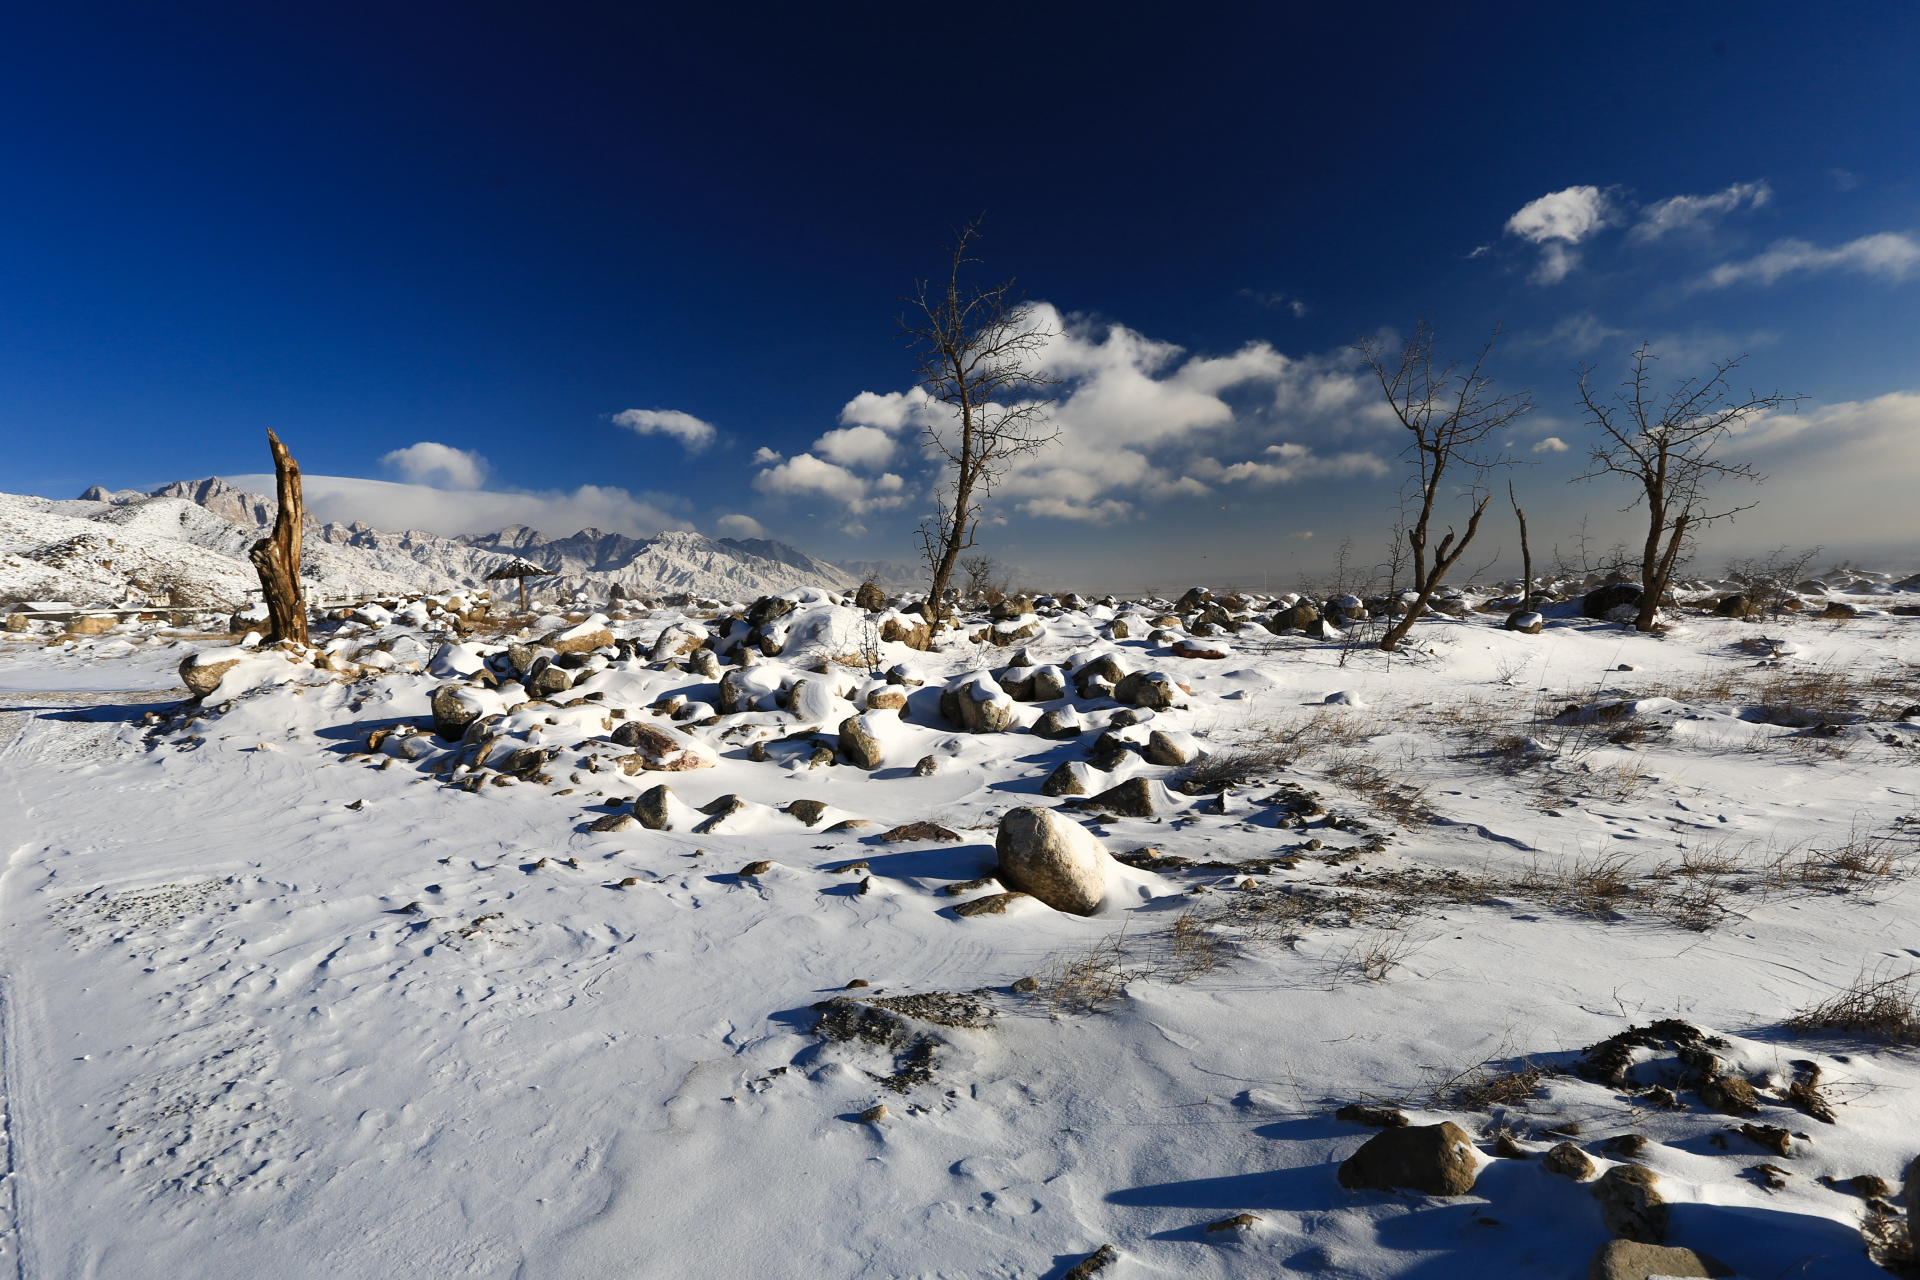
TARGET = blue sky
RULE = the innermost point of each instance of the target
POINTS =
(444, 251)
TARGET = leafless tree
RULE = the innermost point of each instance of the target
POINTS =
(980, 572)
(1663, 446)
(1450, 410)
(276, 557)
(975, 350)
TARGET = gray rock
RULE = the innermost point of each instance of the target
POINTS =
(994, 904)
(1435, 1159)
(858, 744)
(1055, 727)
(1631, 1260)
(925, 767)
(1631, 1204)
(1109, 749)
(1105, 668)
(1069, 779)
(1163, 750)
(1301, 617)
(705, 662)
(548, 681)
(870, 598)
(808, 811)
(718, 811)
(766, 609)
(651, 808)
(202, 677)
(1018, 682)
(1525, 623)
(1153, 689)
(1057, 861)
(1601, 601)
(1569, 1161)
(450, 715)
(1134, 798)
(614, 822)
(1049, 683)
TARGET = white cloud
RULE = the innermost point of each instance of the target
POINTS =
(693, 434)
(400, 507)
(1681, 213)
(763, 456)
(1556, 222)
(1285, 463)
(1889, 254)
(441, 466)
(893, 410)
(739, 526)
(1552, 444)
(1568, 216)
(804, 475)
(856, 446)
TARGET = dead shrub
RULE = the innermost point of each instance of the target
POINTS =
(1371, 957)
(1400, 801)
(1879, 1003)
(1080, 981)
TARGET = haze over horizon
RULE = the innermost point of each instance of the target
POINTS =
(598, 266)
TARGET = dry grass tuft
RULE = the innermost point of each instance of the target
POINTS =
(1362, 773)
(1880, 1003)
(1371, 957)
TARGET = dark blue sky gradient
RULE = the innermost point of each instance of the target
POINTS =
(495, 225)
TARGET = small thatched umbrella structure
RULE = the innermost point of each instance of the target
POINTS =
(521, 569)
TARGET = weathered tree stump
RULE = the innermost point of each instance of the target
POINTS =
(277, 556)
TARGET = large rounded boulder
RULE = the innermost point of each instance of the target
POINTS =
(1057, 861)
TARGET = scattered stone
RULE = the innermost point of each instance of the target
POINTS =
(857, 982)
(1153, 689)
(959, 887)
(874, 1114)
(1108, 750)
(629, 882)
(1435, 1159)
(614, 822)
(1507, 1149)
(1869, 1186)
(917, 831)
(580, 639)
(1569, 1161)
(845, 867)
(994, 904)
(821, 758)
(451, 713)
(658, 749)
(1059, 726)
(1171, 749)
(1238, 1222)
(1104, 670)
(1738, 605)
(1069, 778)
(888, 699)
(1632, 1260)
(1730, 1095)
(1627, 1144)
(650, 807)
(1025, 986)
(718, 811)
(1631, 1204)
(850, 824)
(754, 869)
(1837, 612)
(858, 744)
(1372, 1117)
(1057, 861)
(1105, 1256)
(201, 673)
(757, 753)
(548, 681)
(925, 767)
(870, 598)
(1771, 1137)
(808, 811)
(1525, 622)
(1134, 798)
(1301, 617)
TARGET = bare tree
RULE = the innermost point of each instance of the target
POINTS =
(277, 556)
(979, 571)
(1449, 411)
(1663, 446)
(975, 350)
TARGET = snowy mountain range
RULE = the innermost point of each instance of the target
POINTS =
(190, 539)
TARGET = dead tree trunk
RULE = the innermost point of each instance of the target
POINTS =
(277, 556)
(1526, 556)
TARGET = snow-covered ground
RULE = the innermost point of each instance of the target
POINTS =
(276, 1005)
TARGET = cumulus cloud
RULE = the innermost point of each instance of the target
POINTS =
(441, 466)
(739, 526)
(1552, 444)
(856, 446)
(399, 507)
(764, 456)
(1556, 222)
(804, 475)
(693, 434)
(1285, 463)
(1686, 213)
(893, 411)
(1890, 255)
